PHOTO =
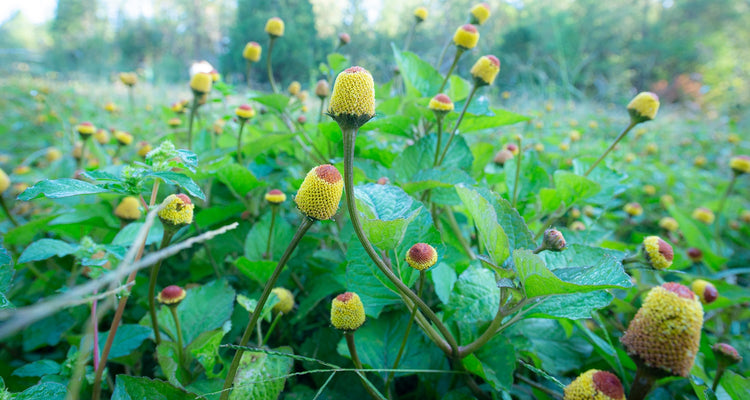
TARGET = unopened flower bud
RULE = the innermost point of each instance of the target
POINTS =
(174, 122)
(441, 104)
(101, 136)
(275, 196)
(85, 129)
(144, 148)
(129, 209)
(176, 211)
(479, 13)
(347, 312)
(595, 385)
(302, 119)
(4, 181)
(704, 215)
(123, 138)
(286, 300)
(322, 90)
(466, 37)
(383, 180)
(53, 154)
(421, 256)
(344, 39)
(420, 14)
(171, 295)
(275, 27)
(294, 88)
(512, 147)
(110, 107)
(320, 193)
(633, 209)
(201, 83)
(726, 355)
(485, 70)
(353, 100)
(502, 157)
(643, 107)
(252, 51)
(658, 253)
(668, 223)
(128, 78)
(574, 135)
(553, 240)
(705, 290)
(740, 164)
(244, 112)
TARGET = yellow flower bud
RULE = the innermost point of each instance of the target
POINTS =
(353, 99)
(302, 96)
(733, 138)
(294, 88)
(174, 122)
(745, 216)
(740, 164)
(252, 51)
(286, 300)
(505, 95)
(144, 148)
(705, 290)
(421, 256)
(539, 147)
(347, 312)
(466, 37)
(441, 104)
(275, 27)
(595, 385)
(176, 210)
(4, 181)
(123, 138)
(649, 190)
(85, 129)
(669, 223)
(110, 107)
(128, 78)
(666, 331)
(102, 136)
(420, 14)
(171, 295)
(643, 107)
(658, 252)
(564, 146)
(652, 148)
(485, 70)
(577, 226)
(275, 196)
(629, 158)
(479, 13)
(704, 215)
(320, 193)
(53, 154)
(245, 112)
(129, 209)
(178, 107)
(574, 136)
(21, 170)
(322, 89)
(201, 83)
(218, 126)
(633, 209)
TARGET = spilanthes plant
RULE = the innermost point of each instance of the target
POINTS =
(275, 30)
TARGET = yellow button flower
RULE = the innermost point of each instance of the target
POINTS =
(110, 107)
(286, 300)
(85, 129)
(129, 209)
(353, 99)
(128, 78)
(705, 290)
(123, 138)
(320, 193)
(643, 107)
(479, 13)
(666, 330)
(4, 181)
(275, 27)
(574, 135)
(275, 196)
(22, 170)
(485, 70)
(171, 295)
(347, 312)
(658, 252)
(174, 122)
(201, 83)
(512, 147)
(633, 209)
(595, 385)
(294, 88)
(176, 210)
(53, 154)
(144, 148)
(669, 224)
(704, 215)
(178, 107)
(420, 14)
(740, 164)
(252, 51)
(244, 112)
(322, 89)
(441, 103)
(421, 256)
(466, 37)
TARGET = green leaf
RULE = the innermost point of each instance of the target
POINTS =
(256, 241)
(418, 74)
(539, 280)
(737, 386)
(387, 212)
(473, 123)
(458, 88)
(491, 233)
(444, 277)
(205, 349)
(38, 368)
(421, 156)
(127, 235)
(278, 102)
(261, 375)
(696, 238)
(48, 331)
(239, 178)
(547, 340)
(43, 249)
(475, 296)
(64, 187)
(494, 362)
(571, 306)
(572, 188)
(44, 391)
(441, 177)
(337, 62)
(364, 278)
(127, 338)
(259, 271)
(265, 141)
(183, 181)
(167, 354)
(398, 125)
(138, 388)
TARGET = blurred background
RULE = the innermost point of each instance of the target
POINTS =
(690, 51)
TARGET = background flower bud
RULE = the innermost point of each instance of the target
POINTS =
(347, 312)
(643, 107)
(275, 196)
(479, 13)
(252, 51)
(466, 37)
(171, 295)
(485, 70)
(553, 240)
(421, 256)
(244, 112)
(275, 27)
(128, 209)
(705, 290)
(322, 89)
(740, 164)
(286, 300)
(658, 253)
(441, 103)
(420, 14)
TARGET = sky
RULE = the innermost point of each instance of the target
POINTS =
(39, 11)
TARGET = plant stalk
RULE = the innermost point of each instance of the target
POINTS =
(269, 66)
(518, 173)
(612, 146)
(239, 142)
(193, 111)
(458, 123)
(7, 212)
(410, 35)
(459, 52)
(391, 374)
(269, 255)
(358, 364)
(165, 239)
(439, 137)
(271, 328)
(642, 384)
(178, 328)
(719, 373)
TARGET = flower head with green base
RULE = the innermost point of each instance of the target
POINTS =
(352, 102)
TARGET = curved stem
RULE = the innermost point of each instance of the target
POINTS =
(406, 334)
(166, 237)
(274, 211)
(358, 364)
(459, 51)
(350, 135)
(193, 111)
(518, 173)
(303, 227)
(458, 123)
(178, 328)
(410, 35)
(491, 330)
(95, 328)
(719, 372)
(271, 328)
(443, 53)
(457, 231)
(7, 212)
(239, 142)
(269, 67)
(439, 136)
(612, 146)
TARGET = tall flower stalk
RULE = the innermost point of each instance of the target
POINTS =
(275, 30)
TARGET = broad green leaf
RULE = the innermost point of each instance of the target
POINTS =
(167, 354)
(538, 280)
(387, 212)
(485, 218)
(38, 368)
(494, 362)
(138, 388)
(546, 340)
(418, 74)
(398, 125)
(128, 234)
(319, 287)
(473, 123)
(239, 178)
(696, 238)
(440, 177)
(475, 296)
(263, 143)
(611, 182)
(44, 391)
(214, 215)
(259, 271)
(571, 306)
(421, 156)
(256, 241)
(261, 375)
(183, 181)
(205, 349)
(278, 102)
(43, 249)
(458, 88)
(572, 188)
(97, 214)
(48, 331)
(444, 278)
(337, 62)
(365, 279)
(128, 338)
(64, 187)
(737, 386)
(250, 305)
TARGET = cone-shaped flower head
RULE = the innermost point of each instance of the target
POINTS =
(252, 52)
(178, 107)
(479, 13)
(420, 14)
(441, 104)
(294, 88)
(353, 99)
(503, 156)
(144, 148)
(705, 290)
(633, 209)
(347, 312)
(421, 256)
(53, 154)
(171, 295)
(110, 107)
(275, 27)
(4, 181)
(553, 240)
(128, 209)
(201, 83)
(244, 112)
(286, 300)
(726, 355)
(595, 385)
(275, 196)
(574, 135)
(322, 89)
(658, 253)
(123, 138)
(177, 211)
(344, 38)
(85, 129)
(128, 78)
(666, 330)
(101, 136)
(704, 215)
(695, 254)
(485, 70)
(466, 37)
(740, 164)
(669, 223)
(643, 107)
(320, 193)
(174, 122)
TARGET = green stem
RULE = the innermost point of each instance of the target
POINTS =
(271, 328)
(518, 173)
(320, 114)
(166, 237)
(457, 231)
(443, 53)
(193, 111)
(722, 202)
(406, 334)
(719, 373)
(358, 364)
(268, 255)
(303, 227)
(131, 99)
(350, 135)
(439, 137)
(269, 67)
(458, 123)
(247, 73)
(459, 51)
(239, 142)
(410, 35)
(612, 146)
(7, 211)
(491, 330)
(178, 328)
(642, 384)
